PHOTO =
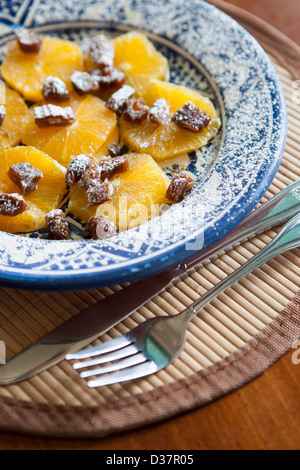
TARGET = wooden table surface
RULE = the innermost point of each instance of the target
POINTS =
(262, 415)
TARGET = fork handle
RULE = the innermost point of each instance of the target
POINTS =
(287, 239)
(277, 210)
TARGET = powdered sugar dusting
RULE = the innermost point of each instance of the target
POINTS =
(232, 172)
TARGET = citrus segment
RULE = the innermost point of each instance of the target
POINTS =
(112, 138)
(27, 73)
(136, 191)
(178, 95)
(168, 141)
(94, 125)
(31, 220)
(15, 120)
(47, 196)
(135, 54)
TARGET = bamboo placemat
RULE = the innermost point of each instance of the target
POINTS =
(236, 338)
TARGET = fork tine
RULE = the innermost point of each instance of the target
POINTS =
(106, 347)
(122, 364)
(131, 373)
(108, 357)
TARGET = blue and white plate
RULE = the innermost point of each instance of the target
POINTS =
(206, 50)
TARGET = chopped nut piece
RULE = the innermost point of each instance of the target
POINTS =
(99, 193)
(100, 229)
(25, 176)
(160, 112)
(101, 52)
(57, 225)
(109, 78)
(135, 111)
(180, 185)
(191, 117)
(117, 102)
(55, 89)
(110, 168)
(84, 83)
(51, 115)
(12, 204)
(77, 168)
(91, 176)
(2, 114)
(115, 150)
(29, 41)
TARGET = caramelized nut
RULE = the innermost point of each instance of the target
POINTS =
(180, 185)
(91, 176)
(12, 205)
(84, 83)
(25, 176)
(101, 52)
(57, 225)
(135, 111)
(191, 117)
(109, 168)
(100, 229)
(117, 102)
(99, 193)
(29, 41)
(77, 168)
(115, 150)
(2, 114)
(160, 111)
(55, 89)
(51, 115)
(109, 78)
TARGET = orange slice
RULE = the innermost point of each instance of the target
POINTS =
(47, 196)
(135, 55)
(94, 129)
(15, 120)
(169, 140)
(26, 73)
(138, 192)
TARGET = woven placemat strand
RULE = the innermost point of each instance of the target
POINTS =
(236, 338)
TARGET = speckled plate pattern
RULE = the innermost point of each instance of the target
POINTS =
(206, 50)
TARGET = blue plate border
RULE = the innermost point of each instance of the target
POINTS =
(15, 276)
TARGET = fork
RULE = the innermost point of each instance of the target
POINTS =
(157, 342)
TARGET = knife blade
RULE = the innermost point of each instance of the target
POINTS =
(88, 325)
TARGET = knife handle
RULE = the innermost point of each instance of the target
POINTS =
(88, 325)
(279, 209)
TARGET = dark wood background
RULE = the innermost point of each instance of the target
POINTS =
(262, 415)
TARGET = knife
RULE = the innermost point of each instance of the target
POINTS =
(88, 325)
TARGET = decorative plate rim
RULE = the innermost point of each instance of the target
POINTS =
(130, 269)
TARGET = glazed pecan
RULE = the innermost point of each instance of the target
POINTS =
(98, 228)
(84, 83)
(115, 150)
(99, 193)
(118, 101)
(191, 117)
(12, 205)
(180, 185)
(160, 111)
(55, 89)
(101, 52)
(135, 111)
(109, 78)
(25, 176)
(77, 168)
(29, 41)
(57, 226)
(50, 115)
(109, 168)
